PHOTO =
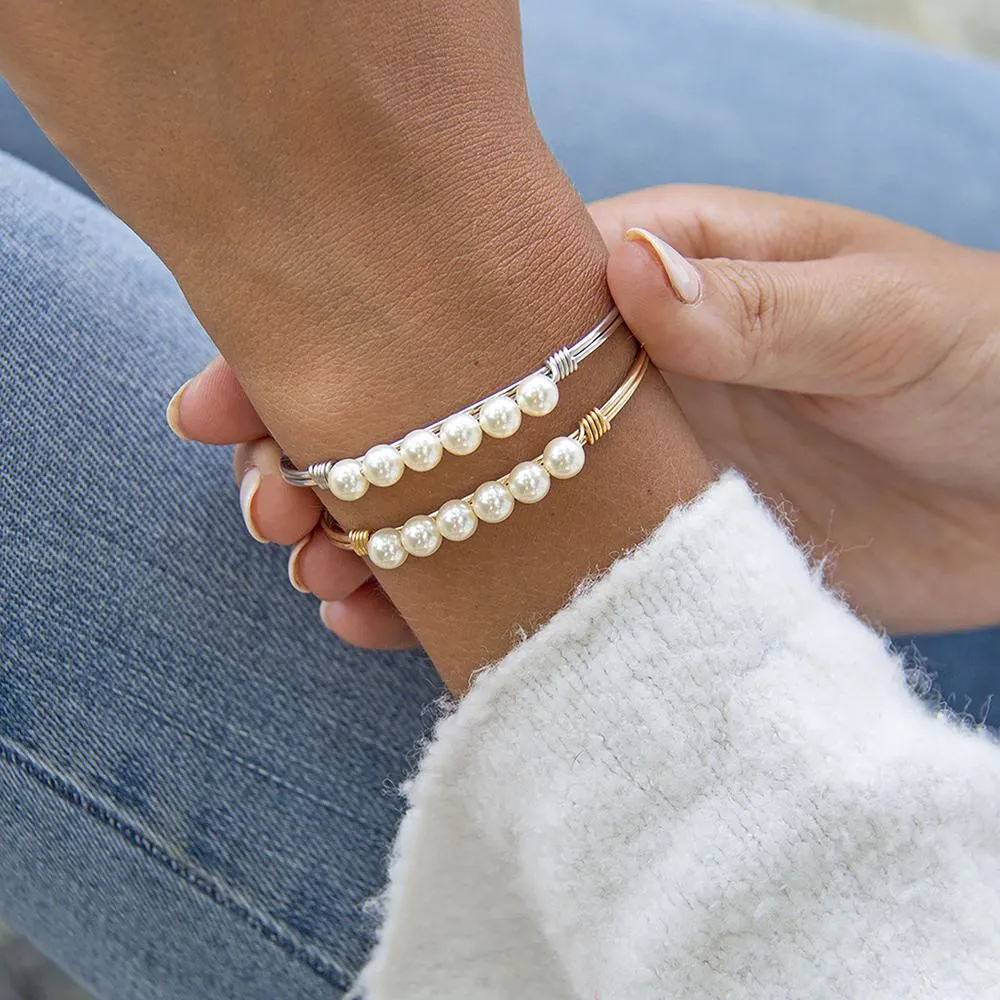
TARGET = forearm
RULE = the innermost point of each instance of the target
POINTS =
(443, 288)
(363, 214)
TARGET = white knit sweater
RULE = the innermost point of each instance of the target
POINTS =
(703, 778)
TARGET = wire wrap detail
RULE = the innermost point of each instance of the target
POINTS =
(594, 425)
(359, 540)
(561, 364)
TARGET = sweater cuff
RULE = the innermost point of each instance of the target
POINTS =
(703, 694)
(719, 592)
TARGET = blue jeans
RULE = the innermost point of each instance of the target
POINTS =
(197, 783)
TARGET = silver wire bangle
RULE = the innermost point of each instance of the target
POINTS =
(494, 501)
(497, 415)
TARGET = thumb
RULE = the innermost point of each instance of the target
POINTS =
(837, 326)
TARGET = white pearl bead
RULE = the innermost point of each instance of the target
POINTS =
(383, 465)
(492, 502)
(385, 549)
(420, 536)
(537, 395)
(528, 483)
(500, 417)
(461, 434)
(457, 521)
(563, 457)
(421, 450)
(346, 481)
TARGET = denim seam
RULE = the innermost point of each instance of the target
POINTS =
(266, 925)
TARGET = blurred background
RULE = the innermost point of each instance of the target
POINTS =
(957, 25)
(963, 25)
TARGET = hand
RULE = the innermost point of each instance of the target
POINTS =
(852, 374)
(850, 366)
(213, 408)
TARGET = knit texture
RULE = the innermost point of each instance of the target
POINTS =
(703, 778)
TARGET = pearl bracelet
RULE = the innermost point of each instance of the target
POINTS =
(493, 502)
(498, 415)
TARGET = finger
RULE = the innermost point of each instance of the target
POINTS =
(272, 510)
(706, 221)
(317, 566)
(367, 618)
(851, 325)
(213, 408)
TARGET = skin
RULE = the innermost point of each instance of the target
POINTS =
(364, 217)
(847, 364)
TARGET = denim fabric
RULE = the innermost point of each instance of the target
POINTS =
(195, 773)
(196, 781)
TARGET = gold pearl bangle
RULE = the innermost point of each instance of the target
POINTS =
(493, 501)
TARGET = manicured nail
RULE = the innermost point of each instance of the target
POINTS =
(248, 490)
(174, 410)
(680, 272)
(329, 612)
(293, 568)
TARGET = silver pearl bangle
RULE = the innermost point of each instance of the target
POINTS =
(494, 501)
(498, 416)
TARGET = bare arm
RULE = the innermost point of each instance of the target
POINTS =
(358, 204)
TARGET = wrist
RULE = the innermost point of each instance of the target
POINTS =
(351, 322)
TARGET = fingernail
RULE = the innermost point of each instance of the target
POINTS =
(293, 569)
(680, 272)
(329, 612)
(248, 490)
(174, 411)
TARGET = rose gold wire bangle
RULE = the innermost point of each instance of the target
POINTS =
(493, 501)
